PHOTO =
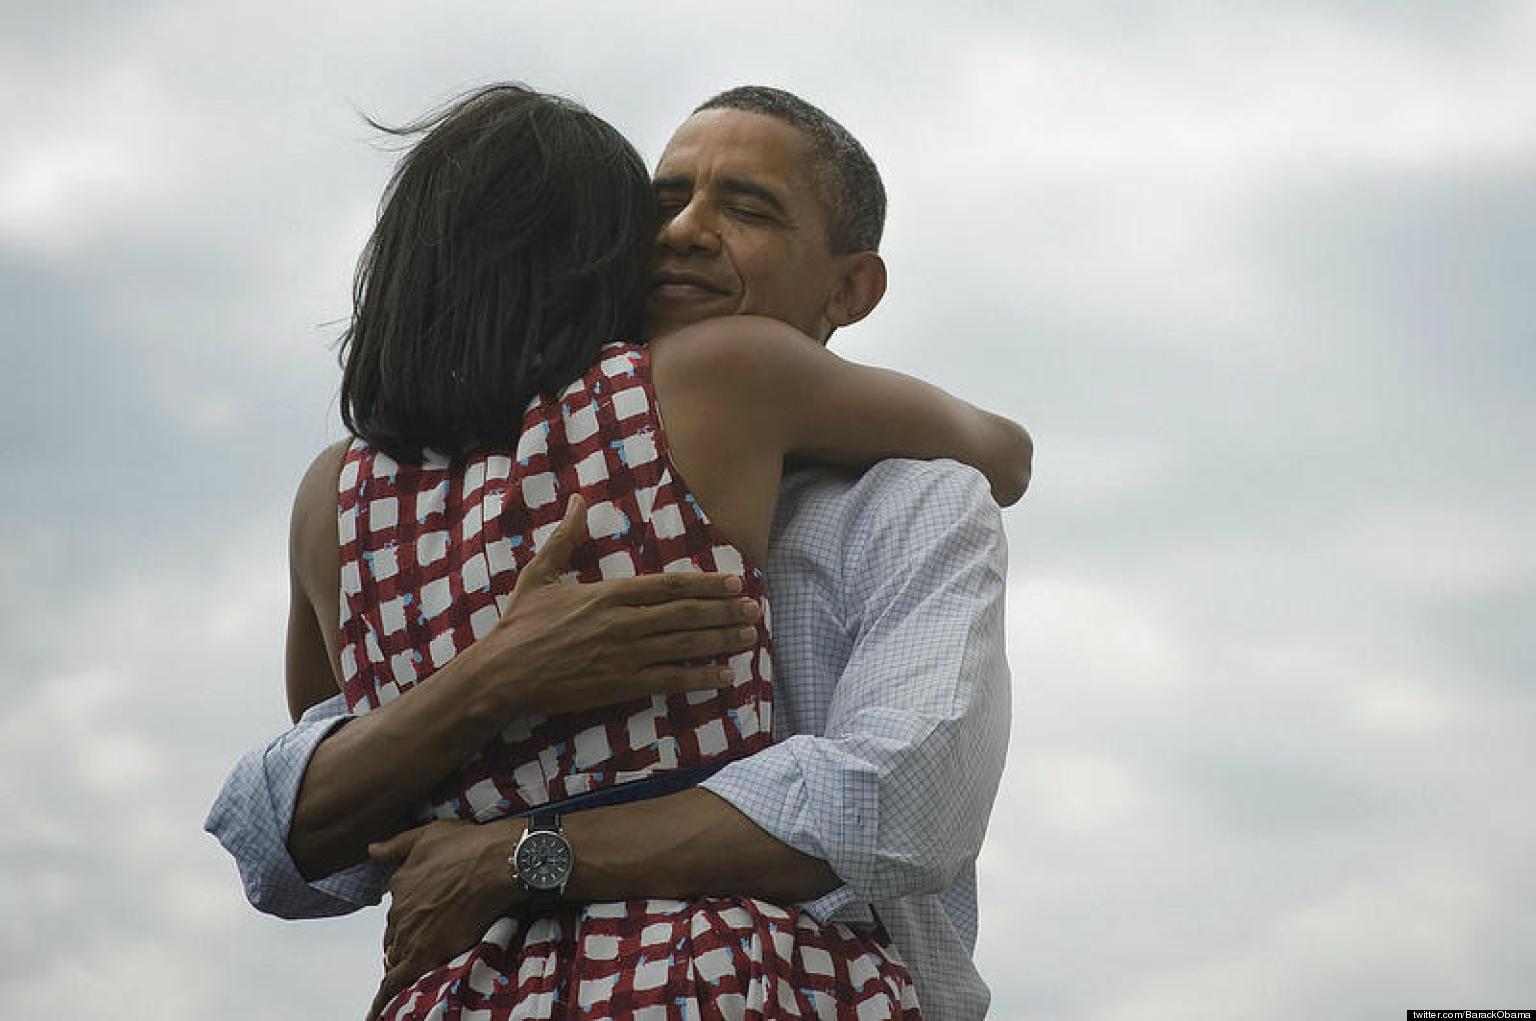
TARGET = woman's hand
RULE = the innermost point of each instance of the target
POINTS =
(451, 883)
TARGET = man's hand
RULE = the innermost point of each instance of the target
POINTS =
(452, 882)
(567, 648)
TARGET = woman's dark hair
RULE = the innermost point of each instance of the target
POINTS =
(513, 241)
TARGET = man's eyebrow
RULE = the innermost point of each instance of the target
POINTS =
(673, 182)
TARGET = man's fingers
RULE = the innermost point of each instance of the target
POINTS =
(381, 998)
(399, 975)
(660, 588)
(397, 848)
(395, 979)
(684, 615)
(668, 678)
(700, 644)
(554, 556)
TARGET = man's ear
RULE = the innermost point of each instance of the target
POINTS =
(861, 285)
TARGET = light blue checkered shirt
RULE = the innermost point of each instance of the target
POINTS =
(891, 709)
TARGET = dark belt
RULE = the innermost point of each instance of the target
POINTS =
(655, 786)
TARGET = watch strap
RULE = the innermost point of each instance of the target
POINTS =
(542, 902)
(542, 820)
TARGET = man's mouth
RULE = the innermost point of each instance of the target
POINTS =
(681, 285)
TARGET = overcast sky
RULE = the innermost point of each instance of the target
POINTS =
(1258, 276)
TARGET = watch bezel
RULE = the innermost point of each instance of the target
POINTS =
(532, 841)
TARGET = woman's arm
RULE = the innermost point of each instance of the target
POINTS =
(313, 673)
(825, 407)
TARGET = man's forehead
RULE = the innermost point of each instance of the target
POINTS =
(736, 144)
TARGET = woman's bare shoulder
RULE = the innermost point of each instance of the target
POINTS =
(320, 478)
(312, 528)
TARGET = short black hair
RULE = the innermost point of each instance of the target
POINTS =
(514, 239)
(850, 184)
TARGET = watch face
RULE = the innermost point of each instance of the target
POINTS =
(543, 860)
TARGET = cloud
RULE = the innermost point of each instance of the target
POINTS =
(1255, 277)
(1299, 811)
(108, 762)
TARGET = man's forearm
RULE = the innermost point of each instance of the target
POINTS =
(689, 844)
(366, 778)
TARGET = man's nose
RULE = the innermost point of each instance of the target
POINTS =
(691, 230)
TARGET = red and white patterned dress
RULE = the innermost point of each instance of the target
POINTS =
(429, 556)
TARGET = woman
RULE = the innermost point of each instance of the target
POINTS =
(513, 246)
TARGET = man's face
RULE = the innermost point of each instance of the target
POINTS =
(743, 228)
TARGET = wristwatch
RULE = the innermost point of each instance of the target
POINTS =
(542, 861)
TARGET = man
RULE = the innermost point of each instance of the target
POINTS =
(891, 696)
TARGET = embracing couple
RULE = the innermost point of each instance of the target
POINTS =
(594, 425)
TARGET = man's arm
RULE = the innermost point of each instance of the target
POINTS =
(251, 817)
(310, 803)
(896, 791)
(893, 798)
(556, 648)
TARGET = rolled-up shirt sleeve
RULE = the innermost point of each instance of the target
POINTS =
(254, 810)
(895, 792)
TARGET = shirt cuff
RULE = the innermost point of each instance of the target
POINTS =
(840, 905)
(251, 818)
(744, 786)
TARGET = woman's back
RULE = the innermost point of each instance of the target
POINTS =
(428, 554)
(430, 551)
